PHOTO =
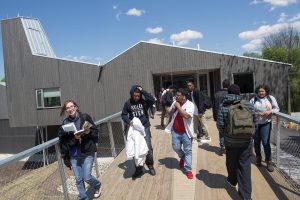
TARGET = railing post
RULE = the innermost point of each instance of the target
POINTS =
(278, 142)
(124, 134)
(96, 162)
(62, 172)
(111, 138)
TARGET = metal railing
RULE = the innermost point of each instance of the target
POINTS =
(285, 144)
(26, 176)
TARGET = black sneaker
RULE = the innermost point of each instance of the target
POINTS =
(222, 151)
(138, 172)
(97, 193)
(152, 171)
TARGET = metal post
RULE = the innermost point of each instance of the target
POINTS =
(41, 131)
(124, 134)
(62, 172)
(96, 162)
(111, 139)
(278, 142)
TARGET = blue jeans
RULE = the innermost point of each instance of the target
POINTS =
(262, 134)
(82, 169)
(182, 145)
(221, 139)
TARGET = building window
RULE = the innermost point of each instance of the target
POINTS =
(245, 81)
(48, 98)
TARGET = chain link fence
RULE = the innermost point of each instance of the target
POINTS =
(38, 173)
(285, 144)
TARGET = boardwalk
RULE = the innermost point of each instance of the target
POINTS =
(171, 183)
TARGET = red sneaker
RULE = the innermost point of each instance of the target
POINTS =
(181, 163)
(189, 174)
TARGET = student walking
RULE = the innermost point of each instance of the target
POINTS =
(198, 98)
(236, 119)
(182, 130)
(218, 98)
(78, 150)
(137, 106)
(264, 104)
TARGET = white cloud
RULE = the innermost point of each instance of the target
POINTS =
(253, 45)
(83, 58)
(155, 30)
(118, 16)
(275, 3)
(156, 41)
(115, 7)
(282, 17)
(295, 18)
(256, 36)
(135, 12)
(184, 37)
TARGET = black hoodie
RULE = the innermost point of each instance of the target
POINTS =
(138, 109)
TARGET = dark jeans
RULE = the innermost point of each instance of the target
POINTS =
(262, 135)
(149, 157)
(239, 168)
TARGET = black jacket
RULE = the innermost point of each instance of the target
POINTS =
(199, 99)
(88, 141)
(138, 109)
(219, 95)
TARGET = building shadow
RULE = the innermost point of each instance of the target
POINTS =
(169, 162)
(128, 167)
(209, 148)
(159, 127)
(217, 181)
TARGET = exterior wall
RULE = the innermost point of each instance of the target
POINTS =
(275, 75)
(15, 140)
(3, 103)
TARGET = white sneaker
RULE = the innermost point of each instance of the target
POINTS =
(97, 193)
(205, 139)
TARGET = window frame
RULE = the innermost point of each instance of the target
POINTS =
(245, 73)
(42, 100)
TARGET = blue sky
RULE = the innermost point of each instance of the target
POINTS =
(97, 31)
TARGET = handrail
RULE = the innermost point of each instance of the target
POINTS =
(288, 117)
(38, 148)
(108, 118)
(28, 152)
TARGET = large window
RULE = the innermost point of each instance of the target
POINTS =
(245, 81)
(48, 98)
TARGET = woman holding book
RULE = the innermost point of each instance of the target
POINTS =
(78, 147)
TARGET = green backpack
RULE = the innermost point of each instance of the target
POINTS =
(240, 121)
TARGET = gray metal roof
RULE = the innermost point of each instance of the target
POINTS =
(37, 37)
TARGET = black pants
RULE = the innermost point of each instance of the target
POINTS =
(149, 157)
(239, 168)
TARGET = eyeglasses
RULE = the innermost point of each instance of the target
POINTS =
(68, 108)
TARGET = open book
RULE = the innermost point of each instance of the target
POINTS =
(71, 127)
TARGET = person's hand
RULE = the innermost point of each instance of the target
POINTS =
(200, 115)
(267, 113)
(140, 88)
(131, 123)
(177, 105)
(87, 131)
(77, 136)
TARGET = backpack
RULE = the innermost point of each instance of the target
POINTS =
(240, 121)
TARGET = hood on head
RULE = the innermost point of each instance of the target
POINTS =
(132, 89)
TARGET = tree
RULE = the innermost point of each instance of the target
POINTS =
(285, 47)
(252, 54)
